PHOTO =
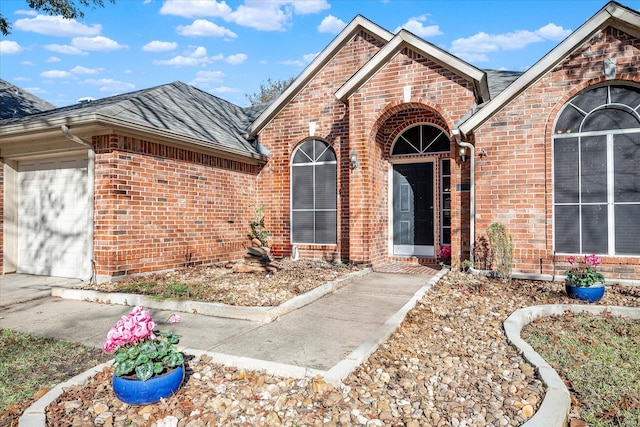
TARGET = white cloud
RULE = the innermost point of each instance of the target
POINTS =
(236, 59)
(204, 77)
(56, 74)
(56, 26)
(305, 7)
(306, 59)
(310, 57)
(191, 59)
(52, 59)
(417, 27)
(26, 12)
(200, 52)
(66, 49)
(78, 69)
(475, 47)
(204, 28)
(98, 43)
(110, 85)
(332, 25)
(553, 32)
(159, 46)
(263, 16)
(27, 63)
(195, 8)
(9, 47)
(293, 62)
(225, 89)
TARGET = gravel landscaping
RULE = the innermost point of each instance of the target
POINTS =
(448, 364)
(221, 284)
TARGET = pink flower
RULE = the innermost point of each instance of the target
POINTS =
(592, 260)
(134, 327)
(175, 318)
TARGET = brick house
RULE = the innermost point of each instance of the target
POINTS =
(384, 149)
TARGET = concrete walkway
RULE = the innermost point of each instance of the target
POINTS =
(316, 336)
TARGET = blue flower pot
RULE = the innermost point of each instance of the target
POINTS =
(593, 293)
(136, 392)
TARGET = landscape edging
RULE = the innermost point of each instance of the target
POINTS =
(256, 314)
(554, 410)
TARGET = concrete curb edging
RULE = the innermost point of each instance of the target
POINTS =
(554, 410)
(256, 314)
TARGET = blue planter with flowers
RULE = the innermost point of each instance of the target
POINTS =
(592, 293)
(582, 281)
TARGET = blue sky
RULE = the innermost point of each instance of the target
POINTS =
(228, 48)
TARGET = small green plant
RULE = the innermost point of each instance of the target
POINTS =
(258, 230)
(141, 351)
(466, 265)
(178, 289)
(502, 249)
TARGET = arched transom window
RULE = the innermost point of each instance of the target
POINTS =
(596, 172)
(313, 193)
(421, 139)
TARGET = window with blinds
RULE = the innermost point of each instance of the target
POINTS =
(596, 173)
(313, 193)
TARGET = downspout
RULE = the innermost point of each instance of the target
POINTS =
(472, 189)
(90, 184)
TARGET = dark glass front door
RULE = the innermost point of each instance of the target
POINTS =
(413, 209)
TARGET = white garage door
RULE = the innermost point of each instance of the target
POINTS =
(54, 218)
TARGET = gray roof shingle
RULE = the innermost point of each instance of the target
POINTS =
(498, 80)
(175, 107)
(16, 102)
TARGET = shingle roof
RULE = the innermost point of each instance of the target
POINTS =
(498, 80)
(177, 108)
(16, 102)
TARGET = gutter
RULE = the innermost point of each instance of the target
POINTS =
(91, 184)
(472, 193)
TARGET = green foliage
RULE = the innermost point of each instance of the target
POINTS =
(269, 91)
(65, 8)
(258, 230)
(502, 249)
(583, 272)
(149, 358)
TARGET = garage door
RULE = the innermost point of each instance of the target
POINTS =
(54, 218)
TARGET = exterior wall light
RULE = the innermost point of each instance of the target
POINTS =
(354, 160)
(463, 153)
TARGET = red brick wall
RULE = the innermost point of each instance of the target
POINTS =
(377, 116)
(514, 182)
(315, 102)
(373, 118)
(159, 207)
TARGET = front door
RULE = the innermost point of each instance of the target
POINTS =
(413, 210)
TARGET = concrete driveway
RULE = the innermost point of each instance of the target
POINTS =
(17, 288)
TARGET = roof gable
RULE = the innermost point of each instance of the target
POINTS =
(405, 39)
(359, 23)
(612, 14)
(174, 111)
